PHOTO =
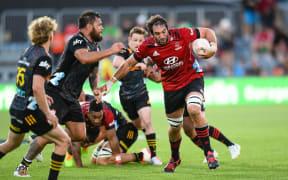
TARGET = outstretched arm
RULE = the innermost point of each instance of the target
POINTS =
(94, 80)
(86, 57)
(119, 74)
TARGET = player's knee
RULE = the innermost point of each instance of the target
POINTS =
(194, 105)
(175, 122)
(64, 141)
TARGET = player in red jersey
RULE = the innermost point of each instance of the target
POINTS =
(182, 80)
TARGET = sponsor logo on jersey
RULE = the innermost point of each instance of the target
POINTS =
(156, 53)
(177, 46)
(172, 63)
(111, 124)
(44, 64)
(77, 41)
(176, 49)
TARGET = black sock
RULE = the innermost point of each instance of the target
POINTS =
(26, 162)
(56, 164)
(2, 155)
(203, 135)
(151, 140)
(216, 134)
(197, 141)
(138, 156)
(175, 145)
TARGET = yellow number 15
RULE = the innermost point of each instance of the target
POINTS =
(20, 76)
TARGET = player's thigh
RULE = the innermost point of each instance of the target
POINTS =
(75, 122)
(77, 130)
(37, 122)
(57, 135)
(129, 107)
(174, 103)
(143, 108)
(127, 134)
(14, 140)
(145, 113)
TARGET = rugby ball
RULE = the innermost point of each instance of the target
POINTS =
(200, 45)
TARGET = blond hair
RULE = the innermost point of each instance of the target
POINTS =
(137, 30)
(40, 29)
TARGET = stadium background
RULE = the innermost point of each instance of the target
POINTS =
(246, 82)
(252, 40)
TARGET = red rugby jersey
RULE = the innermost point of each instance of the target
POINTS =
(175, 59)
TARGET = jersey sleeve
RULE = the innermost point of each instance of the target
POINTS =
(76, 43)
(109, 119)
(43, 66)
(141, 52)
(190, 33)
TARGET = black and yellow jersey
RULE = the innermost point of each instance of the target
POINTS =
(132, 85)
(34, 60)
(70, 74)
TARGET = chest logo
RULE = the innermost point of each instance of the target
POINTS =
(171, 60)
(156, 53)
(172, 63)
(77, 41)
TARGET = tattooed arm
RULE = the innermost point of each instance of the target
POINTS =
(94, 80)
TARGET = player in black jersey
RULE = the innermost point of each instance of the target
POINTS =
(30, 107)
(78, 62)
(133, 93)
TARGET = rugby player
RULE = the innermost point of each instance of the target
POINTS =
(30, 107)
(133, 92)
(182, 80)
(78, 62)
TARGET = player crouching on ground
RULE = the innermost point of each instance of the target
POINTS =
(127, 135)
(100, 124)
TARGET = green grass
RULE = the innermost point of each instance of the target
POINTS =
(260, 130)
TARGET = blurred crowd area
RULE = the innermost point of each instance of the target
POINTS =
(252, 40)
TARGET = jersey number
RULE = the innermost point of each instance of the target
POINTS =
(130, 134)
(20, 76)
(58, 76)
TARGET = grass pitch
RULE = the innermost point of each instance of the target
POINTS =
(260, 130)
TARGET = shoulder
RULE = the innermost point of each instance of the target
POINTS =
(149, 42)
(179, 32)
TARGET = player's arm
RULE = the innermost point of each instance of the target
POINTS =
(38, 83)
(86, 57)
(154, 75)
(208, 34)
(119, 60)
(114, 144)
(94, 80)
(119, 74)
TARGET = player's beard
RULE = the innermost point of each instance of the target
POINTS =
(162, 42)
(97, 37)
